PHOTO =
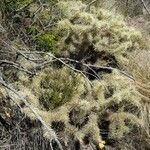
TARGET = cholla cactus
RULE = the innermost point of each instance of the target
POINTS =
(61, 96)
(95, 31)
(80, 114)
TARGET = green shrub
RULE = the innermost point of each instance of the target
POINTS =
(56, 87)
(46, 42)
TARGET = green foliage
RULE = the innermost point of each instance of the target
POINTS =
(57, 87)
(46, 41)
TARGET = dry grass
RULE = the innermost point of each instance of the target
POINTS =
(139, 67)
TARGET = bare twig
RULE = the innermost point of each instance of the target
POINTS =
(41, 3)
(15, 65)
(37, 11)
(2, 29)
(22, 53)
(99, 67)
(41, 23)
(62, 60)
(145, 7)
(45, 63)
(111, 68)
(91, 3)
(59, 59)
(31, 52)
(50, 25)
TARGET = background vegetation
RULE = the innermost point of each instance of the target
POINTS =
(74, 74)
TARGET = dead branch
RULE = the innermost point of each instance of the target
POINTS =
(91, 3)
(72, 68)
(41, 3)
(17, 66)
(99, 67)
(145, 7)
(23, 53)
